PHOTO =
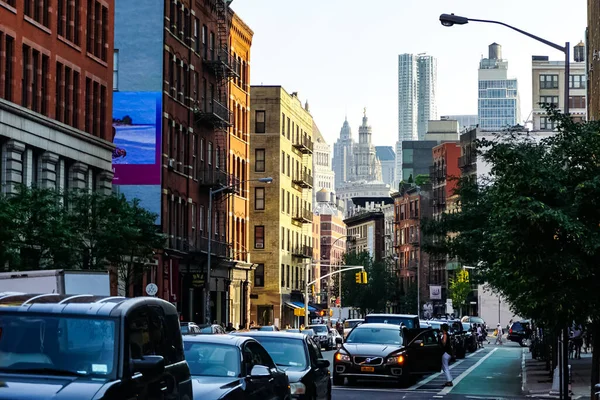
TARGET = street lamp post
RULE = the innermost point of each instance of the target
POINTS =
(450, 20)
(211, 193)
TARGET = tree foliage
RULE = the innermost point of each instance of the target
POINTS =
(42, 228)
(532, 228)
(460, 287)
(421, 179)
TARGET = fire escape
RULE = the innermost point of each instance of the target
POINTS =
(215, 112)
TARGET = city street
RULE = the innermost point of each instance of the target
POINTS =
(491, 373)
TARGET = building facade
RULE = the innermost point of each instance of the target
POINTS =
(180, 72)
(498, 100)
(411, 205)
(416, 158)
(55, 95)
(443, 175)
(367, 166)
(548, 83)
(281, 213)
(333, 240)
(343, 155)
(387, 158)
(367, 228)
(465, 121)
(324, 177)
(417, 85)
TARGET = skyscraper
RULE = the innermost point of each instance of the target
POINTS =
(498, 100)
(417, 82)
(343, 154)
(367, 166)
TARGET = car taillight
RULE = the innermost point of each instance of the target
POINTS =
(510, 331)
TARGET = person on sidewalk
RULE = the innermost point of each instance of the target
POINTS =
(479, 336)
(577, 339)
(446, 356)
(485, 333)
(499, 335)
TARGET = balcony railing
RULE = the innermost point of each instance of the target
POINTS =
(303, 216)
(413, 240)
(200, 246)
(214, 113)
(302, 252)
(465, 161)
(304, 145)
(213, 177)
(304, 180)
(222, 64)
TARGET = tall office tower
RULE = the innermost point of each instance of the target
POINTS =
(417, 82)
(343, 155)
(498, 100)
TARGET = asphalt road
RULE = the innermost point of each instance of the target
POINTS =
(490, 373)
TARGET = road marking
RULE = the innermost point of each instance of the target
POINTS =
(370, 389)
(432, 377)
(456, 381)
(523, 373)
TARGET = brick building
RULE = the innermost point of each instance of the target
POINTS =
(55, 94)
(179, 72)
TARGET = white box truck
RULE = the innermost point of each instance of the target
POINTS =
(56, 281)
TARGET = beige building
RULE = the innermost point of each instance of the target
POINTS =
(548, 83)
(281, 212)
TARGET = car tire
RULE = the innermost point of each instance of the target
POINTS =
(338, 380)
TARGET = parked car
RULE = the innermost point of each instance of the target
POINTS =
(457, 336)
(231, 367)
(308, 332)
(302, 360)
(90, 347)
(267, 328)
(410, 321)
(386, 352)
(323, 336)
(349, 324)
(470, 337)
(473, 320)
(189, 328)
(424, 324)
(212, 329)
(520, 332)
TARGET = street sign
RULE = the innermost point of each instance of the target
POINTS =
(151, 289)
(299, 312)
(330, 312)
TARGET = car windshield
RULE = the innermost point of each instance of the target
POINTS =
(185, 329)
(389, 319)
(367, 335)
(287, 353)
(351, 324)
(308, 332)
(319, 328)
(211, 359)
(206, 329)
(62, 345)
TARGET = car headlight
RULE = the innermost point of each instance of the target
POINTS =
(297, 388)
(342, 357)
(399, 359)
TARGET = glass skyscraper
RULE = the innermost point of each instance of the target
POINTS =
(498, 101)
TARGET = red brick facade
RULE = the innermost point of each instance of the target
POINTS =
(56, 58)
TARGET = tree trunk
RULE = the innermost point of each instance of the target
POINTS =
(595, 355)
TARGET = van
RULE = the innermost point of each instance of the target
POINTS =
(55, 346)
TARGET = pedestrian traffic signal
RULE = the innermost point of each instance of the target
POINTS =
(364, 277)
(358, 276)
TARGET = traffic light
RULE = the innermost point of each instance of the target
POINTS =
(364, 277)
(358, 276)
(322, 313)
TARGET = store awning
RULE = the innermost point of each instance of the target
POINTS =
(297, 304)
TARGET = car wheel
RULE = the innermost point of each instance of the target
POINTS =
(338, 380)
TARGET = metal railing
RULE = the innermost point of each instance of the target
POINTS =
(303, 215)
(302, 251)
(303, 144)
(303, 179)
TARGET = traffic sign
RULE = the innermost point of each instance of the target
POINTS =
(299, 312)
(151, 289)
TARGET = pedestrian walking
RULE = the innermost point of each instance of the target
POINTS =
(577, 339)
(446, 356)
(480, 336)
(485, 333)
(499, 335)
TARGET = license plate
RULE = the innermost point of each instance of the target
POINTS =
(367, 369)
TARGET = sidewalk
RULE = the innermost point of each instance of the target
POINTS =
(537, 382)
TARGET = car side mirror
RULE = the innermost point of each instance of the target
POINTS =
(260, 372)
(417, 343)
(322, 363)
(149, 366)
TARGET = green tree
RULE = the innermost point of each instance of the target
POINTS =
(533, 228)
(421, 179)
(460, 287)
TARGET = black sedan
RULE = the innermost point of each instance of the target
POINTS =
(387, 352)
(227, 367)
(302, 361)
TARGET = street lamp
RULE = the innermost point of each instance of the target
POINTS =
(451, 19)
(211, 193)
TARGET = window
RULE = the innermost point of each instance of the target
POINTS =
(39, 10)
(205, 41)
(577, 102)
(259, 198)
(7, 46)
(196, 35)
(282, 275)
(259, 123)
(259, 237)
(548, 81)
(116, 70)
(547, 124)
(577, 81)
(552, 100)
(259, 159)
(259, 276)
(210, 151)
(68, 20)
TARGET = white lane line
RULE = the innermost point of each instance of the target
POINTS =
(432, 377)
(456, 381)
(369, 389)
(523, 373)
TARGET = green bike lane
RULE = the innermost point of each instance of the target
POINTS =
(496, 375)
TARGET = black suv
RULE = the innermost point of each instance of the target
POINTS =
(90, 347)
(520, 332)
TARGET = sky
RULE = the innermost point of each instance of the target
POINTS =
(342, 55)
